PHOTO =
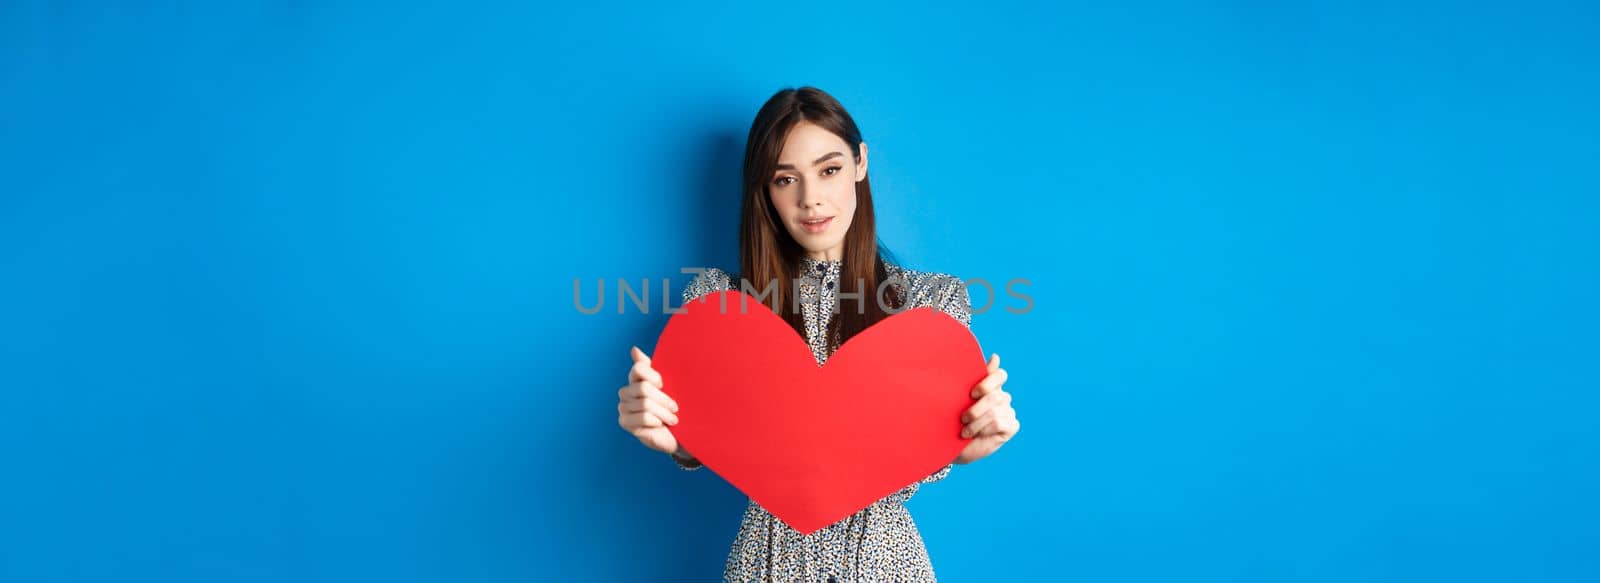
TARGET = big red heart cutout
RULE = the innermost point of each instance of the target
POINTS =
(812, 444)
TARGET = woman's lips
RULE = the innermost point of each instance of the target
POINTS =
(816, 226)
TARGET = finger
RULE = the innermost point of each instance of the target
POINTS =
(638, 355)
(990, 383)
(655, 407)
(640, 410)
(994, 362)
(977, 426)
(1000, 422)
(983, 405)
(653, 392)
(634, 391)
(632, 406)
(643, 420)
(641, 371)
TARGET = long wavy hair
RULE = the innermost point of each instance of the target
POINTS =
(768, 254)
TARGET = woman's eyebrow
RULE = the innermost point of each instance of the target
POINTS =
(814, 162)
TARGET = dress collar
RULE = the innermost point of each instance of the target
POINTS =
(825, 269)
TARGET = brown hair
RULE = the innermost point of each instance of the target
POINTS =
(768, 254)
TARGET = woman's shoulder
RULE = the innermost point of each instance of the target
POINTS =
(944, 291)
(708, 281)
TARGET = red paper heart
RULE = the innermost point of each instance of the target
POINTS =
(812, 444)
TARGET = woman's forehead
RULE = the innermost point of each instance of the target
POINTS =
(807, 142)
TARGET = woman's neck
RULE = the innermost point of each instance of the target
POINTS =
(833, 254)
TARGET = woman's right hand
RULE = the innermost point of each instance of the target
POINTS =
(643, 410)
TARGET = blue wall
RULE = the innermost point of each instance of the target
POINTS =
(286, 288)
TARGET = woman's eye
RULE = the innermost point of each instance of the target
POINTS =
(830, 171)
(781, 180)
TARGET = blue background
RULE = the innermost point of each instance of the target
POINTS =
(286, 288)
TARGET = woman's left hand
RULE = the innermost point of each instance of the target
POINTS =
(991, 421)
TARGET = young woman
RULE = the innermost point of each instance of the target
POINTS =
(807, 222)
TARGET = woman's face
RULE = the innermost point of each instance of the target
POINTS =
(814, 188)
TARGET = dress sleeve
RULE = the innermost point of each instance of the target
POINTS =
(951, 297)
(710, 281)
(688, 464)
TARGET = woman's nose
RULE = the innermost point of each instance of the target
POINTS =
(809, 201)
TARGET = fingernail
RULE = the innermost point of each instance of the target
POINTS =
(965, 433)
